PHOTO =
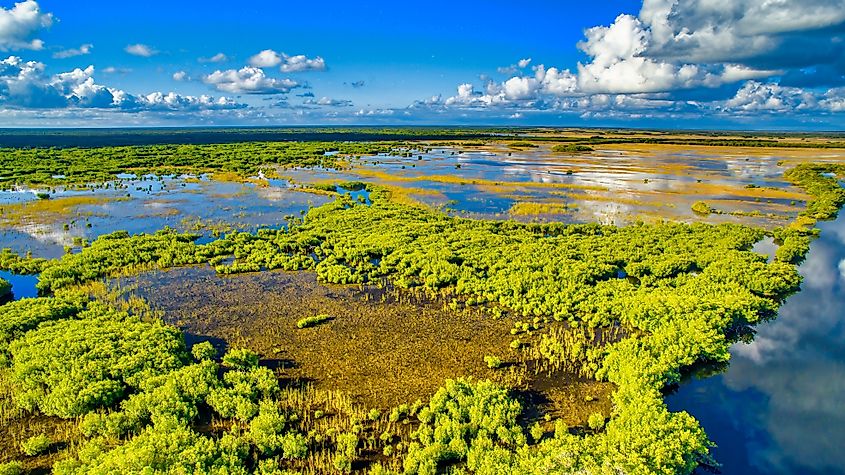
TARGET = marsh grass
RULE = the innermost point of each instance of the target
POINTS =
(384, 348)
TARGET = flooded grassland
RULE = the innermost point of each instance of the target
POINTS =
(341, 350)
(616, 184)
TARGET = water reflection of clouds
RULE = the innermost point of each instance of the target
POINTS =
(755, 167)
(243, 205)
(795, 370)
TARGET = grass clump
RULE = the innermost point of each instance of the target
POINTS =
(493, 362)
(36, 445)
(312, 321)
(522, 144)
(11, 468)
(700, 207)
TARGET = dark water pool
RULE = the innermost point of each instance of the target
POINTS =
(779, 408)
(23, 286)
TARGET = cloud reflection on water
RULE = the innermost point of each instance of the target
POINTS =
(779, 407)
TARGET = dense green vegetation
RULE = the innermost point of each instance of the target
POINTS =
(818, 179)
(572, 148)
(218, 135)
(144, 403)
(71, 366)
(60, 166)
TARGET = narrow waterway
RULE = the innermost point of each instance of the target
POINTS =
(779, 408)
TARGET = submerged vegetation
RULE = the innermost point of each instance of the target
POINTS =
(633, 306)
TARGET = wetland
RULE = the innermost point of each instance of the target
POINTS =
(449, 302)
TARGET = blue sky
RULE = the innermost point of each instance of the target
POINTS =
(650, 63)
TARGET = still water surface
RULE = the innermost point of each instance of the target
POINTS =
(779, 408)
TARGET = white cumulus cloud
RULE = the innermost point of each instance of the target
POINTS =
(19, 24)
(327, 101)
(25, 85)
(287, 64)
(248, 80)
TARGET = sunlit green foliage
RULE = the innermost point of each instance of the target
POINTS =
(35, 445)
(464, 416)
(12, 262)
(312, 321)
(203, 351)
(175, 395)
(521, 144)
(69, 367)
(816, 180)
(119, 252)
(493, 362)
(267, 432)
(11, 468)
(241, 358)
(596, 421)
(241, 392)
(701, 207)
(165, 448)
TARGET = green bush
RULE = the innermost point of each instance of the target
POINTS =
(463, 414)
(167, 447)
(11, 468)
(595, 421)
(345, 451)
(537, 432)
(69, 367)
(572, 148)
(36, 445)
(203, 351)
(16, 318)
(701, 207)
(241, 392)
(240, 358)
(173, 396)
(312, 321)
(493, 362)
(522, 144)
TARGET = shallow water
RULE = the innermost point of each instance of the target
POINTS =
(609, 186)
(23, 286)
(203, 206)
(779, 408)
